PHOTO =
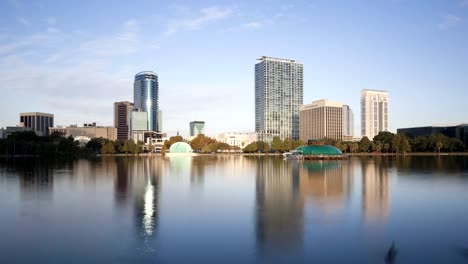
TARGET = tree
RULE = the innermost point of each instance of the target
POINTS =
(405, 145)
(386, 147)
(377, 147)
(439, 145)
(150, 148)
(287, 145)
(384, 137)
(201, 141)
(135, 148)
(172, 140)
(250, 148)
(364, 144)
(396, 143)
(297, 143)
(108, 148)
(353, 147)
(263, 146)
(223, 146)
(277, 144)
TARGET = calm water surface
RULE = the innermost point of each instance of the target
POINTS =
(234, 209)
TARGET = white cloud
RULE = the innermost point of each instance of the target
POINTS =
(449, 21)
(253, 25)
(207, 15)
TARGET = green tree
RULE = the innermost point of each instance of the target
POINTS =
(108, 148)
(384, 137)
(405, 145)
(276, 144)
(150, 148)
(297, 143)
(251, 148)
(386, 147)
(135, 148)
(364, 144)
(396, 143)
(354, 147)
(287, 145)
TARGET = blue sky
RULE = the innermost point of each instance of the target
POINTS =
(75, 58)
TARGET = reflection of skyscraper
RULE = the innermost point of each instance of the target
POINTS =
(121, 181)
(279, 207)
(375, 190)
(324, 183)
(36, 179)
(146, 183)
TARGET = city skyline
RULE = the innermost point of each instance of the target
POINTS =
(80, 68)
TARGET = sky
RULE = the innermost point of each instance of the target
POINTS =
(76, 58)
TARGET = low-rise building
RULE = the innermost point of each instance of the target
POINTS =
(237, 139)
(39, 122)
(87, 131)
(459, 131)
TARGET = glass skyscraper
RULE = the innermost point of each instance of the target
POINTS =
(278, 95)
(146, 97)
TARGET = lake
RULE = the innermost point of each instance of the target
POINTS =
(234, 209)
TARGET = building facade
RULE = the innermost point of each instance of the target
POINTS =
(122, 112)
(89, 131)
(196, 128)
(374, 112)
(452, 131)
(38, 122)
(348, 123)
(146, 97)
(278, 95)
(240, 140)
(325, 119)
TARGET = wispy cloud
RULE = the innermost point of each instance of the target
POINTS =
(24, 21)
(124, 42)
(449, 21)
(207, 15)
(253, 25)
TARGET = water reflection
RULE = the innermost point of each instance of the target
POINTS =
(279, 209)
(375, 189)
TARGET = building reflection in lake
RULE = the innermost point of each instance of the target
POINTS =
(375, 189)
(36, 181)
(279, 207)
(324, 184)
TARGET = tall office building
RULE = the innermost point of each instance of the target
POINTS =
(39, 122)
(278, 95)
(196, 128)
(146, 97)
(122, 112)
(374, 112)
(348, 123)
(325, 119)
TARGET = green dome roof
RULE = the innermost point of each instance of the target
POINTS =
(319, 150)
(180, 147)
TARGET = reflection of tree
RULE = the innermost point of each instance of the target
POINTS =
(375, 188)
(279, 208)
(121, 180)
(433, 164)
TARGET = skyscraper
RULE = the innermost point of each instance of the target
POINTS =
(374, 112)
(122, 112)
(146, 97)
(278, 95)
(196, 128)
(325, 119)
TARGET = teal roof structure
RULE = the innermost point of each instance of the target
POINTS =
(326, 150)
(180, 147)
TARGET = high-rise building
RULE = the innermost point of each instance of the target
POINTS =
(39, 122)
(348, 123)
(325, 119)
(278, 95)
(122, 112)
(146, 97)
(374, 112)
(196, 128)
